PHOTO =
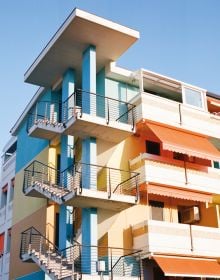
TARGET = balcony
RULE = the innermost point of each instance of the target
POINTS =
(44, 122)
(88, 114)
(173, 238)
(169, 112)
(82, 185)
(83, 114)
(176, 173)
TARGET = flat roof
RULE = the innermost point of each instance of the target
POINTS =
(65, 49)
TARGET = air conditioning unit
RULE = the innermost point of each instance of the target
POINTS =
(190, 215)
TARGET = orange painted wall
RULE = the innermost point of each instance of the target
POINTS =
(38, 220)
(208, 216)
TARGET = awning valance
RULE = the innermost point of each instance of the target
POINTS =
(188, 267)
(178, 193)
(185, 143)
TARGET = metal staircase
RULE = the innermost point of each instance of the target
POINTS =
(58, 264)
(76, 261)
(82, 185)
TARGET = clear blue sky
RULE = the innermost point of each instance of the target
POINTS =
(179, 38)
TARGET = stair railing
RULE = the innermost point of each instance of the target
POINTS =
(82, 175)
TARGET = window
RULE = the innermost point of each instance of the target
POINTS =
(153, 147)
(216, 164)
(179, 156)
(12, 190)
(9, 241)
(2, 237)
(193, 97)
(4, 196)
(156, 210)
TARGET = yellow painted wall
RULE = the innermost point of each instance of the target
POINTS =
(24, 206)
(117, 156)
(52, 209)
(116, 223)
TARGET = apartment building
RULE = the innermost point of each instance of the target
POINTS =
(117, 171)
(6, 205)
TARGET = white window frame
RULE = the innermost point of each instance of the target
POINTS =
(203, 96)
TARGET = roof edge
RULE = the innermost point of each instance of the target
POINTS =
(37, 94)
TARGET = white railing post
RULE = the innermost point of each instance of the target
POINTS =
(61, 258)
(40, 248)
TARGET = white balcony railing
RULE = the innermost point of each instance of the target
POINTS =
(173, 238)
(165, 171)
(165, 111)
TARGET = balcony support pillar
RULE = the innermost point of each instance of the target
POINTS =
(66, 159)
(89, 156)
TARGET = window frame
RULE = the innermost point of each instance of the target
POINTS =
(202, 93)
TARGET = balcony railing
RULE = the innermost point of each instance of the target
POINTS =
(172, 238)
(46, 113)
(50, 118)
(75, 259)
(82, 176)
(167, 171)
(166, 111)
(94, 104)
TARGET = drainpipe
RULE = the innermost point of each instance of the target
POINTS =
(185, 170)
(180, 114)
(191, 237)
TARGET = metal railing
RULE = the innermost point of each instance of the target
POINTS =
(111, 109)
(62, 263)
(45, 112)
(82, 175)
(81, 101)
(80, 259)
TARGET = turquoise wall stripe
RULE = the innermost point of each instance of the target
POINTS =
(39, 275)
(29, 147)
(120, 90)
(89, 156)
(100, 89)
(89, 237)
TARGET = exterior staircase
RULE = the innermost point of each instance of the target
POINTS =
(58, 264)
(82, 185)
(74, 262)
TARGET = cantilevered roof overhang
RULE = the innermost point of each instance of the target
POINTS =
(65, 49)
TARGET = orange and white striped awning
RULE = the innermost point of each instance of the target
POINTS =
(184, 142)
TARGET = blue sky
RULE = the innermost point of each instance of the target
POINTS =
(179, 38)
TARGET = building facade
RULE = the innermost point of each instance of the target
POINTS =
(117, 171)
(6, 198)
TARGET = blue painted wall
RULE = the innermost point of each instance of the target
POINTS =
(29, 147)
(120, 90)
(100, 90)
(39, 275)
(89, 156)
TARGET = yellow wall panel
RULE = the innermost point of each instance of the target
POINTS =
(24, 206)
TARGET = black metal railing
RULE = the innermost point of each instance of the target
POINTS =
(45, 112)
(62, 263)
(80, 102)
(80, 259)
(111, 109)
(82, 175)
